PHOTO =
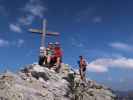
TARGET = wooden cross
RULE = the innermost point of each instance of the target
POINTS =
(43, 33)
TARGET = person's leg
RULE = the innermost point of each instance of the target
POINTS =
(41, 60)
(58, 60)
(81, 74)
(58, 64)
(84, 78)
(45, 60)
(84, 73)
(54, 61)
(48, 60)
(51, 62)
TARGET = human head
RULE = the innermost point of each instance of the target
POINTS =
(42, 48)
(50, 45)
(57, 44)
(81, 57)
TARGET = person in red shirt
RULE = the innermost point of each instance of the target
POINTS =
(58, 55)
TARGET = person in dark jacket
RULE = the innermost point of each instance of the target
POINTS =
(82, 67)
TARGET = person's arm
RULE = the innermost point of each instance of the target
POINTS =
(80, 64)
(85, 62)
(61, 52)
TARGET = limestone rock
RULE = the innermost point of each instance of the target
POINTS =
(36, 82)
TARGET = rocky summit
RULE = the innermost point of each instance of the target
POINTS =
(35, 82)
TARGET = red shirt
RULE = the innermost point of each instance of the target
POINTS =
(58, 52)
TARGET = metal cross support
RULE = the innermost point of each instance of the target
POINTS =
(43, 34)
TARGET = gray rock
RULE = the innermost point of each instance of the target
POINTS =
(35, 82)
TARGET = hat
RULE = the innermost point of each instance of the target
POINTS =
(57, 43)
(80, 56)
(42, 48)
(50, 43)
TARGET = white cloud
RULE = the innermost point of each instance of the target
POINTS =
(32, 9)
(20, 42)
(4, 43)
(15, 28)
(89, 15)
(76, 43)
(109, 78)
(35, 8)
(121, 46)
(29, 53)
(26, 20)
(15, 43)
(103, 64)
(85, 14)
(122, 80)
(80, 45)
(97, 19)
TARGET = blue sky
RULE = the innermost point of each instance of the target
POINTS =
(100, 30)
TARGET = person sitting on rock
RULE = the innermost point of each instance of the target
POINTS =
(58, 56)
(42, 56)
(49, 54)
(82, 67)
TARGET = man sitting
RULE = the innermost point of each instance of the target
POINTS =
(57, 56)
(42, 57)
(49, 54)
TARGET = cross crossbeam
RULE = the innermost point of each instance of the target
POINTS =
(40, 32)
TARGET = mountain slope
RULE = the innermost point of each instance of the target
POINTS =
(35, 82)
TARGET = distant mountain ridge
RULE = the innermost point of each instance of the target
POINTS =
(124, 95)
